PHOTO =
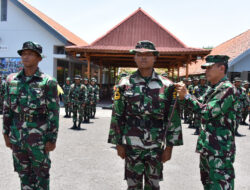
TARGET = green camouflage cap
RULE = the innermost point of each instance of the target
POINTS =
(31, 46)
(67, 78)
(124, 74)
(86, 79)
(202, 78)
(144, 46)
(237, 79)
(245, 82)
(93, 79)
(213, 59)
(164, 74)
(195, 78)
(189, 79)
(78, 77)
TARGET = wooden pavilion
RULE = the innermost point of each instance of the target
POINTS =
(112, 50)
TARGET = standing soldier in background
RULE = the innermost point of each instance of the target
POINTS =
(199, 91)
(142, 107)
(246, 104)
(2, 86)
(66, 88)
(95, 91)
(77, 98)
(87, 109)
(216, 142)
(242, 101)
(31, 119)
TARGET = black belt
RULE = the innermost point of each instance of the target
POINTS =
(145, 123)
(29, 117)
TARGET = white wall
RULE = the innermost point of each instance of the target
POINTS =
(242, 65)
(19, 28)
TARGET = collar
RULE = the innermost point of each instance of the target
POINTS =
(37, 74)
(137, 76)
(222, 80)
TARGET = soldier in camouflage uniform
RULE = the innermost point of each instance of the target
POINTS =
(87, 109)
(242, 101)
(66, 89)
(142, 104)
(216, 142)
(31, 117)
(1, 94)
(246, 104)
(78, 98)
(198, 92)
(95, 95)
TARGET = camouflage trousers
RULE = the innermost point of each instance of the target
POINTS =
(217, 173)
(32, 165)
(78, 110)
(141, 163)
(93, 108)
(87, 111)
(66, 105)
(1, 104)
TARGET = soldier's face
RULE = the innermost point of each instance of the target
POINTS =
(214, 73)
(77, 81)
(203, 82)
(92, 83)
(196, 82)
(30, 58)
(67, 82)
(145, 60)
(237, 83)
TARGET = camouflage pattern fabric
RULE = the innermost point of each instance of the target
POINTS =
(31, 119)
(141, 162)
(78, 97)
(217, 172)
(140, 112)
(66, 101)
(95, 98)
(2, 89)
(199, 91)
(218, 112)
(246, 104)
(87, 108)
(243, 101)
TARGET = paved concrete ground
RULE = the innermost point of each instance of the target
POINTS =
(83, 160)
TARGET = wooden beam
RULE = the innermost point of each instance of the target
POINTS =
(88, 69)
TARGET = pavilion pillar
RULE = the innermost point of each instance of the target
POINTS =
(187, 65)
(88, 69)
(172, 73)
(178, 72)
(101, 73)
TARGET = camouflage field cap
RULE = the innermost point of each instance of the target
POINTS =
(67, 78)
(93, 79)
(245, 82)
(237, 79)
(196, 78)
(202, 78)
(86, 79)
(31, 46)
(144, 46)
(189, 79)
(213, 59)
(78, 77)
(124, 75)
(164, 74)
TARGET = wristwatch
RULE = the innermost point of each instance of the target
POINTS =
(187, 96)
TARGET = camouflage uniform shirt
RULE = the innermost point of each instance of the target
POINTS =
(140, 111)
(26, 100)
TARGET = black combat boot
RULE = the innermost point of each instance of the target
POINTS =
(93, 114)
(197, 132)
(237, 134)
(74, 126)
(69, 114)
(79, 125)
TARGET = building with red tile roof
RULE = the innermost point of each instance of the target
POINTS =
(237, 48)
(112, 49)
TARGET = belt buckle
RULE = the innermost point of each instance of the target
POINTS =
(30, 118)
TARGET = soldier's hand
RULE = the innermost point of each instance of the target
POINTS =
(167, 153)
(181, 90)
(7, 141)
(121, 151)
(49, 146)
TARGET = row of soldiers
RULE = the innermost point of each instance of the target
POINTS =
(80, 98)
(198, 87)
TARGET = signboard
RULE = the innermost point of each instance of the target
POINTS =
(10, 65)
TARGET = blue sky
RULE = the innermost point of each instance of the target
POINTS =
(197, 23)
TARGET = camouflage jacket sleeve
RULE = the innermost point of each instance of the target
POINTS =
(97, 89)
(85, 94)
(53, 110)
(174, 133)
(117, 118)
(7, 113)
(219, 104)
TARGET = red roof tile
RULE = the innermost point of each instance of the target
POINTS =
(233, 48)
(138, 26)
(72, 38)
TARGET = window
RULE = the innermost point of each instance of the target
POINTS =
(59, 50)
(3, 12)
